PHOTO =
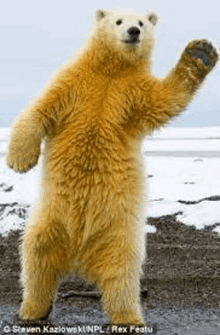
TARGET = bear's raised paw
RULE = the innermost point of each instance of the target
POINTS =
(203, 53)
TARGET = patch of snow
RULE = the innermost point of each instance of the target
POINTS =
(172, 179)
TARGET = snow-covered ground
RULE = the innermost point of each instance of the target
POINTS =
(193, 175)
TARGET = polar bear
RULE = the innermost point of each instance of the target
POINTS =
(94, 113)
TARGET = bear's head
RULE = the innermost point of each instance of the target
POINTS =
(128, 33)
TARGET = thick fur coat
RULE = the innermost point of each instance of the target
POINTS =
(94, 113)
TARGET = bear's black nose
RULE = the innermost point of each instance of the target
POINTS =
(134, 31)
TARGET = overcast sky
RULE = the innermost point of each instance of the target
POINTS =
(37, 36)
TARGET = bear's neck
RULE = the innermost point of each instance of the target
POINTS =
(108, 62)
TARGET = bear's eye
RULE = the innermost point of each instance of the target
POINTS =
(140, 23)
(119, 22)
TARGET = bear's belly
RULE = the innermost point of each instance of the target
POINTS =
(106, 178)
(90, 176)
(98, 164)
(95, 190)
(101, 177)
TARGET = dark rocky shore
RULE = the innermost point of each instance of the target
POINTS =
(180, 286)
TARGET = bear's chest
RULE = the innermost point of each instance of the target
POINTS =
(91, 137)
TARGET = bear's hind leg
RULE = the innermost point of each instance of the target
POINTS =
(44, 257)
(116, 268)
(121, 300)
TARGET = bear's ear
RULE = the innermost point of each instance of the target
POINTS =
(152, 17)
(100, 14)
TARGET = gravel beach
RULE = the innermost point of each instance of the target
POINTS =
(180, 286)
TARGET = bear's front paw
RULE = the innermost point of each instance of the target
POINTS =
(202, 54)
(21, 160)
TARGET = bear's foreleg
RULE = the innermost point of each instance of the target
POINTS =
(43, 258)
(180, 86)
(24, 142)
(40, 118)
(158, 101)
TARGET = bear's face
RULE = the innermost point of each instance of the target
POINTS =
(128, 31)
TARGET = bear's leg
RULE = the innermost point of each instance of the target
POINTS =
(117, 267)
(121, 300)
(43, 258)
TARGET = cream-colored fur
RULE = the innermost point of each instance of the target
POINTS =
(94, 114)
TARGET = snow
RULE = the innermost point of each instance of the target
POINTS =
(189, 177)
